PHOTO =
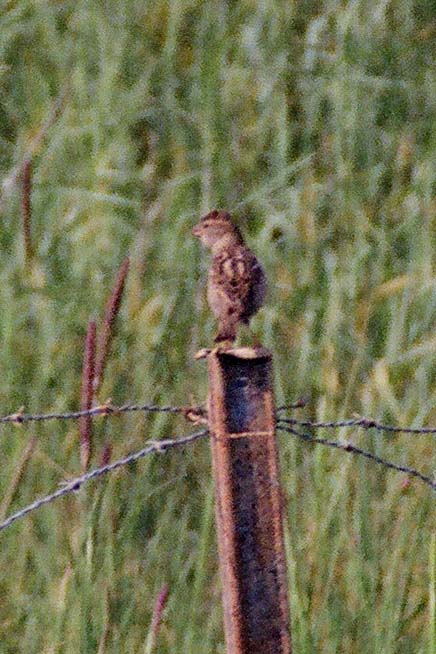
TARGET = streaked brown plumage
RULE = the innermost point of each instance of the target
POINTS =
(236, 284)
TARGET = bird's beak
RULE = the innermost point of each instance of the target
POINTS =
(196, 230)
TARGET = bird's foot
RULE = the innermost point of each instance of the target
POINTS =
(223, 343)
(226, 339)
(221, 346)
(203, 353)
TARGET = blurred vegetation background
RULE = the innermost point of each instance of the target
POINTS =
(315, 124)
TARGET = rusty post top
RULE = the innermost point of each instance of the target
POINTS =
(247, 353)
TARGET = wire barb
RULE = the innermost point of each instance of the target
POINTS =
(299, 404)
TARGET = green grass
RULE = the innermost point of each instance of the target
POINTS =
(313, 122)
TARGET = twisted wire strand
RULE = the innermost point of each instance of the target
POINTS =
(108, 409)
(103, 410)
(365, 423)
(352, 449)
(77, 483)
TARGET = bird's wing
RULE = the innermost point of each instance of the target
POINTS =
(235, 271)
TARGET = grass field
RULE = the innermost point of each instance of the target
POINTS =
(315, 123)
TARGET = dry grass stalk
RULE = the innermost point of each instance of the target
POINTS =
(9, 182)
(107, 328)
(26, 206)
(19, 472)
(156, 620)
(88, 372)
(106, 454)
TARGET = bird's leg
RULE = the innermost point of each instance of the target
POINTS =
(223, 343)
(226, 334)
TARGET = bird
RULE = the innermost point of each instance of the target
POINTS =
(236, 287)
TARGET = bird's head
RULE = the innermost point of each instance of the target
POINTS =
(216, 231)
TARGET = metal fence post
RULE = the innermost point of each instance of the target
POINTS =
(248, 502)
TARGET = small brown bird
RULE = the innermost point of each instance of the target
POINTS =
(236, 286)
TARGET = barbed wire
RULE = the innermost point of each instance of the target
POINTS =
(106, 409)
(365, 423)
(353, 449)
(197, 415)
(75, 484)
